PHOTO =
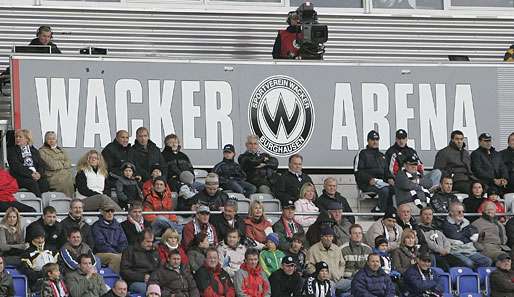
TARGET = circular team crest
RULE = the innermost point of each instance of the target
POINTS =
(281, 114)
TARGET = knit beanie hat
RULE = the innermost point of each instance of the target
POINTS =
(126, 165)
(187, 177)
(153, 288)
(320, 265)
(212, 178)
(380, 240)
(273, 237)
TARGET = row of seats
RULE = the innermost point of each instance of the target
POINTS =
(464, 282)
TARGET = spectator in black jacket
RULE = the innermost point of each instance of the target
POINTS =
(176, 160)
(442, 199)
(212, 195)
(289, 183)
(44, 36)
(330, 194)
(260, 168)
(487, 164)
(116, 153)
(454, 161)
(75, 219)
(411, 187)
(228, 220)
(144, 153)
(405, 218)
(372, 173)
(285, 282)
(54, 236)
(26, 165)
(232, 177)
(135, 223)
(474, 200)
(211, 279)
(508, 159)
(120, 289)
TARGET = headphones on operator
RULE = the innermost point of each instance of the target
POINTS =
(290, 16)
(46, 29)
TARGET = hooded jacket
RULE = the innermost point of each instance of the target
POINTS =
(214, 282)
(175, 281)
(454, 161)
(251, 282)
(136, 262)
(143, 158)
(109, 237)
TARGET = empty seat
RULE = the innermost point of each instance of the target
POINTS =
(30, 199)
(20, 283)
(61, 204)
(456, 271)
(444, 280)
(200, 175)
(49, 196)
(361, 196)
(484, 273)
(271, 205)
(468, 283)
(110, 277)
(262, 197)
(243, 206)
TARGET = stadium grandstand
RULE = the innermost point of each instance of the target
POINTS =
(257, 148)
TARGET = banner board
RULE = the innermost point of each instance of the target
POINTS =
(321, 110)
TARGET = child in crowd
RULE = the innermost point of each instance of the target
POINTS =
(186, 190)
(297, 252)
(493, 195)
(381, 248)
(232, 177)
(53, 285)
(155, 171)
(271, 258)
(127, 186)
(231, 252)
(318, 284)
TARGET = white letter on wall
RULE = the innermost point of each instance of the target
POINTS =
(372, 116)
(96, 104)
(189, 113)
(464, 108)
(403, 112)
(432, 116)
(160, 109)
(343, 121)
(215, 115)
(127, 88)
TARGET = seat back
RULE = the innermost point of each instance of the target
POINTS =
(200, 175)
(110, 277)
(30, 199)
(456, 271)
(262, 197)
(271, 205)
(20, 285)
(470, 295)
(444, 279)
(236, 196)
(484, 273)
(61, 204)
(243, 206)
(468, 283)
(49, 196)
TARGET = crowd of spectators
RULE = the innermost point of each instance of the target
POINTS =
(320, 253)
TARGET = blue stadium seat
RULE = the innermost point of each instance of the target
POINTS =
(470, 295)
(135, 295)
(484, 273)
(444, 279)
(456, 271)
(110, 277)
(468, 283)
(20, 285)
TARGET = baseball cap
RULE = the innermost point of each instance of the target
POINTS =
(229, 148)
(334, 205)
(485, 136)
(288, 204)
(401, 134)
(389, 214)
(502, 256)
(203, 209)
(412, 159)
(424, 253)
(288, 260)
(373, 135)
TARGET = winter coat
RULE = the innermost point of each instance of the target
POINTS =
(305, 205)
(8, 186)
(458, 231)
(114, 155)
(415, 285)
(393, 237)
(6, 284)
(109, 237)
(488, 165)
(271, 261)
(403, 258)
(342, 230)
(501, 283)
(283, 285)
(81, 286)
(222, 225)
(196, 256)
(324, 200)
(288, 186)
(257, 230)
(396, 156)
(214, 202)
(471, 205)
(492, 235)
(251, 282)
(433, 238)
(192, 228)
(171, 281)
(136, 262)
(32, 261)
(69, 255)
(411, 188)
(228, 170)
(54, 235)
(12, 244)
(313, 287)
(368, 164)
(177, 162)
(214, 282)
(355, 255)
(159, 202)
(262, 175)
(16, 167)
(89, 183)
(230, 258)
(285, 233)
(52, 288)
(332, 256)
(143, 158)
(164, 254)
(58, 170)
(453, 161)
(368, 283)
(508, 160)
(85, 229)
(130, 230)
(127, 190)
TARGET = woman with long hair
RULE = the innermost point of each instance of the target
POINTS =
(90, 182)
(474, 200)
(58, 165)
(405, 256)
(176, 160)
(305, 203)
(257, 226)
(12, 237)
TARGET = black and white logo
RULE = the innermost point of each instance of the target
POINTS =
(281, 113)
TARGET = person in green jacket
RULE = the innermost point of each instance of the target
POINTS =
(85, 281)
(271, 258)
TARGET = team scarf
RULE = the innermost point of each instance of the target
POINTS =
(58, 291)
(205, 228)
(289, 232)
(140, 226)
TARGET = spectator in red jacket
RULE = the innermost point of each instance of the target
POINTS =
(170, 240)
(200, 223)
(213, 281)
(160, 200)
(9, 186)
(257, 226)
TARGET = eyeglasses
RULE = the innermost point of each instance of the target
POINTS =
(109, 210)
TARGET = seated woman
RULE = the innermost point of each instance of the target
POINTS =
(170, 240)
(26, 165)
(176, 160)
(58, 165)
(257, 227)
(90, 182)
(12, 237)
(9, 187)
(306, 204)
(474, 200)
(405, 256)
(196, 251)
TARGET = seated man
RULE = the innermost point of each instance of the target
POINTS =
(487, 164)
(212, 195)
(160, 200)
(228, 220)
(200, 223)
(288, 185)
(355, 252)
(120, 289)
(115, 154)
(372, 280)
(85, 281)
(410, 186)
(330, 194)
(501, 279)
(75, 219)
(260, 168)
(71, 251)
(44, 36)
(420, 279)
(53, 230)
(372, 173)
(211, 279)
(442, 199)
(462, 236)
(492, 238)
(36, 256)
(135, 223)
(387, 227)
(508, 160)
(334, 219)
(232, 177)
(286, 227)
(144, 153)
(251, 280)
(139, 261)
(285, 282)
(174, 279)
(110, 240)
(405, 218)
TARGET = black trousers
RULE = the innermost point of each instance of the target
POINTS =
(36, 187)
(18, 205)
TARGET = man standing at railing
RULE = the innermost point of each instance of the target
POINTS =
(44, 36)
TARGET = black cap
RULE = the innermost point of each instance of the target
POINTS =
(493, 191)
(401, 134)
(37, 231)
(155, 166)
(319, 266)
(373, 135)
(502, 256)
(229, 148)
(412, 159)
(424, 253)
(334, 205)
(327, 230)
(288, 204)
(288, 260)
(389, 214)
(485, 136)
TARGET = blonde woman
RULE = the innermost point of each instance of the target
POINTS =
(58, 165)
(306, 204)
(170, 240)
(25, 163)
(12, 237)
(405, 256)
(257, 226)
(90, 182)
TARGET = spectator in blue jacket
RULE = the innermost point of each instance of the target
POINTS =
(110, 240)
(232, 177)
(420, 280)
(372, 281)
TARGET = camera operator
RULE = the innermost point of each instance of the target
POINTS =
(44, 36)
(286, 45)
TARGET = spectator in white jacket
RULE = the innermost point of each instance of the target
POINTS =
(306, 204)
(231, 253)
